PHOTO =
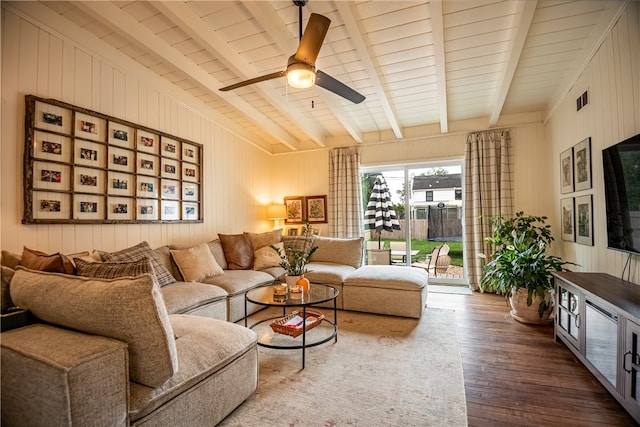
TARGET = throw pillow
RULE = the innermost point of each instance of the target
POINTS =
(113, 270)
(237, 250)
(260, 240)
(54, 263)
(136, 253)
(10, 259)
(196, 263)
(297, 243)
(266, 257)
(129, 309)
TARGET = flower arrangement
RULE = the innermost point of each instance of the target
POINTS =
(294, 259)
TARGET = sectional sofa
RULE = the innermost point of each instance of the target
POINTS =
(148, 336)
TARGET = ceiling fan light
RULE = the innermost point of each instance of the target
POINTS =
(300, 76)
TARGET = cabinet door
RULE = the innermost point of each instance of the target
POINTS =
(569, 301)
(631, 365)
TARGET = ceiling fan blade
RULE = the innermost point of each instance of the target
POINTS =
(324, 80)
(254, 80)
(312, 39)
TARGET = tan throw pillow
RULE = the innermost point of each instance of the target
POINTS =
(113, 270)
(10, 259)
(260, 240)
(136, 253)
(266, 257)
(196, 263)
(237, 250)
(54, 263)
(126, 309)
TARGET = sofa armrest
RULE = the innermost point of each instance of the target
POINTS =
(57, 377)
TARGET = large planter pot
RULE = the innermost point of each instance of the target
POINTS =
(529, 313)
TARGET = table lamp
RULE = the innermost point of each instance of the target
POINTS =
(276, 213)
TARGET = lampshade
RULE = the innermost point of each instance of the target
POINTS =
(276, 212)
(300, 75)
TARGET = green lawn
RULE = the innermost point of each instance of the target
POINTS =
(425, 247)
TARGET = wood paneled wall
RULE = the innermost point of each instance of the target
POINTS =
(612, 78)
(37, 61)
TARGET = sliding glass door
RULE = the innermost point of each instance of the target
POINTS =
(427, 199)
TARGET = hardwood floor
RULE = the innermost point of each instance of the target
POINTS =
(518, 375)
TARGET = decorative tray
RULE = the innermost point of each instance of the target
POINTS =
(292, 324)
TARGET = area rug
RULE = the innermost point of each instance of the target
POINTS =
(383, 371)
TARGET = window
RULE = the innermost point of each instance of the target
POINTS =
(458, 195)
(429, 196)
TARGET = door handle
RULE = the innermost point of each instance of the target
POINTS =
(624, 361)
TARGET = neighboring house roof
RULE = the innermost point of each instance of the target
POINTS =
(435, 182)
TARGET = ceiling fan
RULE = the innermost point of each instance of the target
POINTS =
(301, 69)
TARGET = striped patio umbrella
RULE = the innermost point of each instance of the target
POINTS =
(380, 214)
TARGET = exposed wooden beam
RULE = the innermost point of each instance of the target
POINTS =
(355, 31)
(268, 19)
(114, 17)
(437, 31)
(196, 28)
(524, 17)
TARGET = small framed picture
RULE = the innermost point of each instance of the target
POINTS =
(190, 191)
(567, 219)
(51, 176)
(170, 211)
(584, 220)
(52, 118)
(147, 141)
(88, 180)
(190, 153)
(190, 211)
(147, 187)
(316, 209)
(190, 172)
(146, 209)
(88, 207)
(121, 159)
(582, 164)
(90, 127)
(48, 146)
(170, 189)
(121, 135)
(170, 147)
(120, 208)
(169, 168)
(90, 154)
(295, 209)
(48, 205)
(292, 231)
(566, 171)
(121, 184)
(148, 164)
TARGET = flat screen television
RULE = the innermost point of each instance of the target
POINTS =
(621, 164)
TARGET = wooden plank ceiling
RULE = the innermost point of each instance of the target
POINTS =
(421, 65)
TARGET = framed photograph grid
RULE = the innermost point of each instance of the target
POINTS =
(82, 166)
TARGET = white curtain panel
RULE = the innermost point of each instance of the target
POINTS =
(345, 193)
(488, 192)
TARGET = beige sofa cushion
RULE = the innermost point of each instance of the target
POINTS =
(266, 257)
(339, 251)
(126, 309)
(196, 263)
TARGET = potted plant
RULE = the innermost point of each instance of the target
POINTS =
(520, 268)
(294, 259)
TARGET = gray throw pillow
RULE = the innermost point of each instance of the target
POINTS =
(113, 270)
(138, 252)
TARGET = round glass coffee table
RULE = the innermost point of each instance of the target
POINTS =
(320, 334)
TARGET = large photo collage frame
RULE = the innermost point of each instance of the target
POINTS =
(81, 166)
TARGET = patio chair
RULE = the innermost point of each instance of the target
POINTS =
(438, 261)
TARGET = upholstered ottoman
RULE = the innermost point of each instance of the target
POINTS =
(386, 289)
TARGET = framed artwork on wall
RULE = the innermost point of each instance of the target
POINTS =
(582, 164)
(566, 171)
(82, 166)
(584, 220)
(567, 218)
(295, 209)
(316, 209)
